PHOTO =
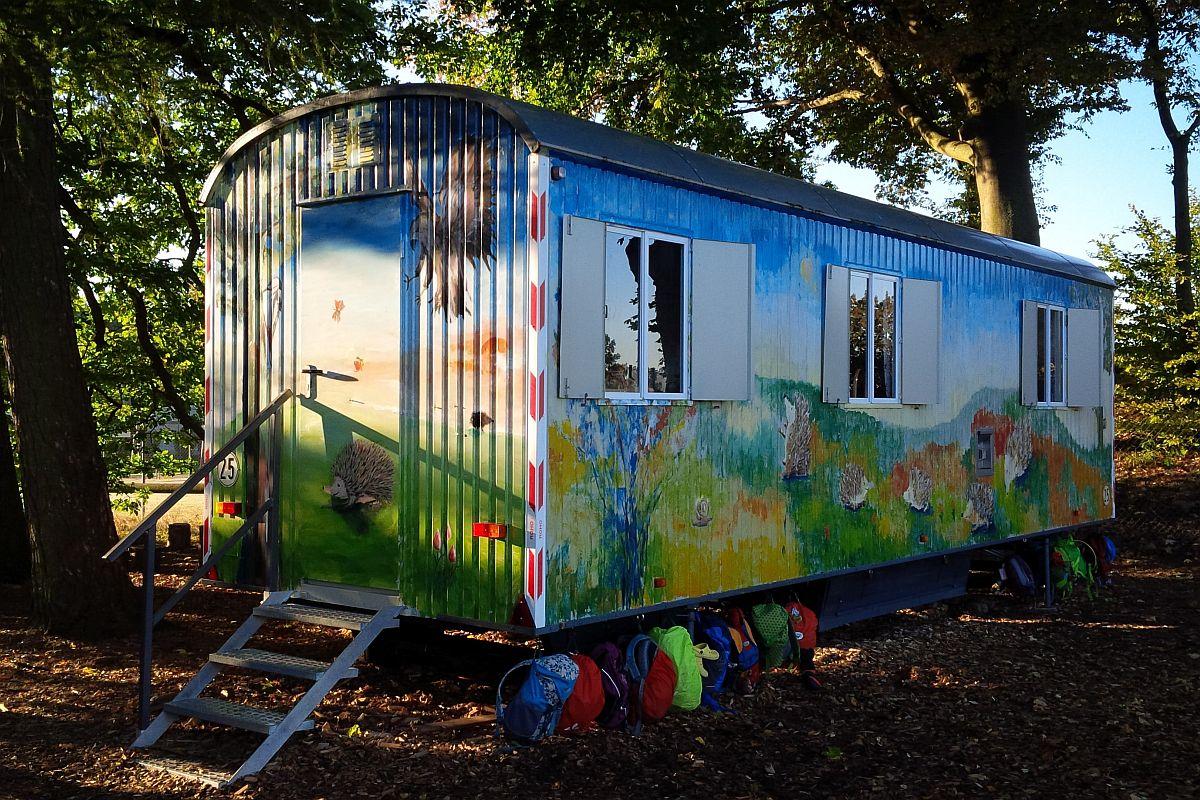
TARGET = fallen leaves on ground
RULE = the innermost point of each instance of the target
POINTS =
(988, 696)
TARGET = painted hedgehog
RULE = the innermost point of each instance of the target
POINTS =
(797, 436)
(981, 505)
(362, 477)
(1018, 452)
(853, 487)
(919, 491)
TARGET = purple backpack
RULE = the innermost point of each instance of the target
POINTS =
(1018, 577)
(616, 686)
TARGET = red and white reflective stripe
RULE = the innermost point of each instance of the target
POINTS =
(537, 348)
(537, 211)
(537, 395)
(535, 574)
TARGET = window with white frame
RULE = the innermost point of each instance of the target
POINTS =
(645, 315)
(1051, 355)
(873, 329)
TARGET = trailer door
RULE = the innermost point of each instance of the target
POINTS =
(342, 493)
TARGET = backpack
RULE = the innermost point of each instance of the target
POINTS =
(1017, 576)
(533, 713)
(713, 631)
(614, 684)
(586, 700)
(677, 643)
(745, 660)
(774, 634)
(1106, 553)
(802, 622)
(651, 682)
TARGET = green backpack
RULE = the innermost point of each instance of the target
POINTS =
(770, 622)
(676, 642)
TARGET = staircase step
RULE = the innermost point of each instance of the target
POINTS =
(185, 768)
(324, 616)
(276, 663)
(223, 712)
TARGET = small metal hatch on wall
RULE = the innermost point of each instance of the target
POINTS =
(985, 452)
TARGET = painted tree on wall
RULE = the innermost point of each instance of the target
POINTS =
(625, 448)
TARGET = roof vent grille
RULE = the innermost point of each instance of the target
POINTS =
(351, 142)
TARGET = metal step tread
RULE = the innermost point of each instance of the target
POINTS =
(182, 767)
(276, 663)
(223, 712)
(324, 616)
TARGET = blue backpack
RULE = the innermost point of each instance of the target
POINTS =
(533, 713)
(712, 631)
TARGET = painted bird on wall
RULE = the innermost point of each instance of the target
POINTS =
(455, 225)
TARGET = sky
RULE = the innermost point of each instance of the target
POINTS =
(1115, 161)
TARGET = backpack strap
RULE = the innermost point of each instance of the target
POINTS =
(526, 664)
(637, 652)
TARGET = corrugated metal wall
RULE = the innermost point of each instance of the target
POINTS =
(462, 360)
(626, 474)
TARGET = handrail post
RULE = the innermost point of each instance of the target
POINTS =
(273, 526)
(145, 678)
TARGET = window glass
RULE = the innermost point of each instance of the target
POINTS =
(664, 311)
(858, 335)
(622, 298)
(1041, 354)
(1056, 356)
(883, 301)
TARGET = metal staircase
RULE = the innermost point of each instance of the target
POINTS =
(277, 726)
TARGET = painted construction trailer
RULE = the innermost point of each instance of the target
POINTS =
(547, 372)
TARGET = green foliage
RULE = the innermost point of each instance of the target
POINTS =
(148, 94)
(829, 74)
(1157, 347)
(654, 68)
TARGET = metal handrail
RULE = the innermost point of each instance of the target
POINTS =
(150, 616)
(150, 523)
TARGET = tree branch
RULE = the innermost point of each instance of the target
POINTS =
(87, 225)
(801, 104)
(905, 106)
(183, 413)
(195, 232)
(99, 326)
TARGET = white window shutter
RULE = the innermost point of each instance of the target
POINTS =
(1029, 353)
(835, 355)
(921, 341)
(581, 309)
(1083, 357)
(722, 304)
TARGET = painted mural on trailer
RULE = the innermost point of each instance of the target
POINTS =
(651, 503)
(393, 316)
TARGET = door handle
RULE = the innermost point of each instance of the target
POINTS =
(317, 372)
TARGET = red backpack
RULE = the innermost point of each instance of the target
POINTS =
(586, 700)
(652, 680)
(803, 622)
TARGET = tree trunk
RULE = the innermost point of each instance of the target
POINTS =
(1184, 295)
(67, 508)
(14, 534)
(1007, 206)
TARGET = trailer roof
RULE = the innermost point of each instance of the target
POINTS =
(543, 129)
